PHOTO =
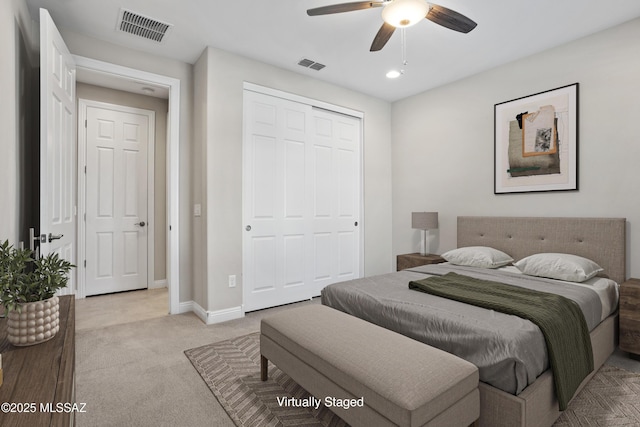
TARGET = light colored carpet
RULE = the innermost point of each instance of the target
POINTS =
(124, 307)
(133, 372)
(132, 375)
(231, 369)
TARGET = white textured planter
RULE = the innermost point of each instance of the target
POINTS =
(36, 322)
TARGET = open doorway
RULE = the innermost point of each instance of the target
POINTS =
(107, 75)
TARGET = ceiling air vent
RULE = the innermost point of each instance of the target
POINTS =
(311, 64)
(142, 26)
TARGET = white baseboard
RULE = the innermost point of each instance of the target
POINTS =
(211, 317)
(186, 307)
(219, 316)
(158, 284)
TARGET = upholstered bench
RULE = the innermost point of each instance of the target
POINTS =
(383, 377)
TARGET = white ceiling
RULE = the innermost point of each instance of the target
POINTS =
(280, 33)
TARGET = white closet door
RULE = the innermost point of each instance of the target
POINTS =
(335, 188)
(301, 192)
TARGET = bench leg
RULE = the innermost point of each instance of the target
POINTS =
(264, 368)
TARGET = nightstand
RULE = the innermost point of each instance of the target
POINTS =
(415, 260)
(630, 316)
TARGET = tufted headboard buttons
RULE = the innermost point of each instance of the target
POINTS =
(599, 239)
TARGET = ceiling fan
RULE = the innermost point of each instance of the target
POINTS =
(401, 14)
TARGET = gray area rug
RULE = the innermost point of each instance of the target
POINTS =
(611, 398)
(231, 369)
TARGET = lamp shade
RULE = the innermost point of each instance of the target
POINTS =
(424, 220)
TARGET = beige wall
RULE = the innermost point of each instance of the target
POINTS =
(160, 107)
(443, 141)
(92, 48)
(221, 75)
(198, 172)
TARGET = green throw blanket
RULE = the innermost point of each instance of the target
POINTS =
(560, 320)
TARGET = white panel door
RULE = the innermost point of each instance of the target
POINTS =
(57, 147)
(301, 193)
(335, 185)
(116, 200)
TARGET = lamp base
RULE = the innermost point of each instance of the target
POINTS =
(423, 247)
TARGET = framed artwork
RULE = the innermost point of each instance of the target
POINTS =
(536, 142)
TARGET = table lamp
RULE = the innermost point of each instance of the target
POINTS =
(424, 221)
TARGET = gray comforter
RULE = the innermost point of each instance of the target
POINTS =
(509, 352)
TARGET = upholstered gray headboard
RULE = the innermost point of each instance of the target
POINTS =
(599, 239)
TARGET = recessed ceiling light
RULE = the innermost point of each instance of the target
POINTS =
(393, 74)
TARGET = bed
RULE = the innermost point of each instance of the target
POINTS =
(512, 394)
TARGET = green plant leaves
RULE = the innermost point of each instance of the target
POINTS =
(25, 279)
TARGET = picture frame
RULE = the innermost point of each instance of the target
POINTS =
(536, 142)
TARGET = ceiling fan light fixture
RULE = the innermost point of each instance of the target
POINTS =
(405, 13)
(394, 74)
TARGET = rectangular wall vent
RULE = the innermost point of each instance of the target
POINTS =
(142, 26)
(311, 64)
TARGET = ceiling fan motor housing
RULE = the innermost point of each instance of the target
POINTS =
(404, 13)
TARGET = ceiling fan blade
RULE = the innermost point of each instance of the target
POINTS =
(384, 34)
(450, 19)
(344, 7)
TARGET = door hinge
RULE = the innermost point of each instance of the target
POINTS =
(85, 263)
(85, 123)
(85, 217)
(85, 170)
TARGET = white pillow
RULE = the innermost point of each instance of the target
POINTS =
(477, 256)
(572, 268)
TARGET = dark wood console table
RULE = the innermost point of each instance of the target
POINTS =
(40, 374)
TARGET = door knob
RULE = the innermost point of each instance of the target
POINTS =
(141, 223)
(53, 237)
(248, 228)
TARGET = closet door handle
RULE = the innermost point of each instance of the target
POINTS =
(248, 228)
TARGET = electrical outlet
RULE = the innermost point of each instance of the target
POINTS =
(232, 281)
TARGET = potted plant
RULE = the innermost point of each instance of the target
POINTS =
(27, 292)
